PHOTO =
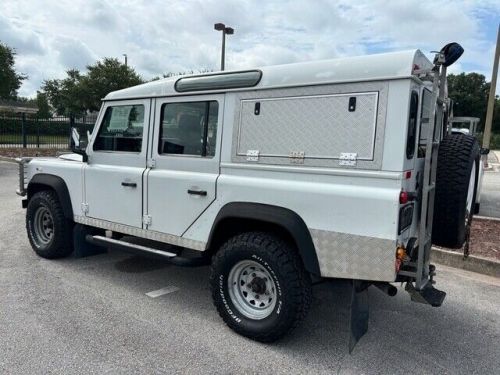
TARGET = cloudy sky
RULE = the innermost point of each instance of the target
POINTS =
(173, 36)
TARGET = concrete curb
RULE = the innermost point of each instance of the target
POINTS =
(9, 160)
(472, 263)
(486, 218)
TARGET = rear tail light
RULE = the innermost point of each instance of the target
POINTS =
(400, 257)
(403, 197)
(406, 196)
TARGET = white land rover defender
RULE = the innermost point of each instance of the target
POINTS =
(276, 177)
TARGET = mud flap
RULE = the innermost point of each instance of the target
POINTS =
(359, 312)
(81, 246)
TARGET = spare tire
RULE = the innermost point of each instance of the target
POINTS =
(456, 183)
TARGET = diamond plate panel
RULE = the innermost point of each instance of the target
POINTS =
(350, 256)
(138, 232)
(375, 162)
(320, 126)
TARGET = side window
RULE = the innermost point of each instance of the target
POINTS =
(189, 128)
(425, 114)
(412, 126)
(121, 129)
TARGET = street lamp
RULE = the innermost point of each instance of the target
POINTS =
(125, 55)
(225, 30)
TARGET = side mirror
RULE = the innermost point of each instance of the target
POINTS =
(484, 151)
(75, 138)
(77, 146)
(451, 53)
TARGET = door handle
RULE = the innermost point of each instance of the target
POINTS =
(203, 193)
(129, 184)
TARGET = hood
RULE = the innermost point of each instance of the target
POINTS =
(71, 157)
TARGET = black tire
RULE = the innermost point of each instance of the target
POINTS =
(293, 285)
(58, 244)
(457, 154)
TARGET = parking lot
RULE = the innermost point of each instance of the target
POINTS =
(93, 315)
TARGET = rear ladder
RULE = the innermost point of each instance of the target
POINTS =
(422, 271)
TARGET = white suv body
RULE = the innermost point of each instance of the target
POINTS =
(325, 155)
(351, 211)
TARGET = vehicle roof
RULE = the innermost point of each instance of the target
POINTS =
(382, 66)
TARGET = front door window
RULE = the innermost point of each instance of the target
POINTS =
(121, 129)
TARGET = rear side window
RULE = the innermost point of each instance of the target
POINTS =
(121, 129)
(425, 114)
(412, 126)
(189, 128)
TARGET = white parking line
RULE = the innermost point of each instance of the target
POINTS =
(162, 291)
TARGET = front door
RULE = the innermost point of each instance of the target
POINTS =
(186, 154)
(117, 161)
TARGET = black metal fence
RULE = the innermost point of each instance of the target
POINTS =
(28, 131)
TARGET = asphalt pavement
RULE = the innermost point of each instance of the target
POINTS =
(122, 314)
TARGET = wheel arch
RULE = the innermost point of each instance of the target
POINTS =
(237, 217)
(44, 181)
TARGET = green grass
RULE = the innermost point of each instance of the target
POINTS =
(32, 139)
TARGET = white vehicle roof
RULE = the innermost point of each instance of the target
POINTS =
(383, 66)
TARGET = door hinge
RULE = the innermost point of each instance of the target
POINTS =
(253, 155)
(151, 163)
(348, 158)
(85, 208)
(297, 157)
(146, 219)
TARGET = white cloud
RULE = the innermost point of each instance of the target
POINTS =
(175, 36)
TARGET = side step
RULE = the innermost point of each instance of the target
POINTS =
(145, 250)
(428, 295)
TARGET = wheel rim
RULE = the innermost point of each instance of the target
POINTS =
(252, 290)
(43, 225)
(470, 193)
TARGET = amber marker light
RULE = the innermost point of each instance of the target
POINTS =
(400, 257)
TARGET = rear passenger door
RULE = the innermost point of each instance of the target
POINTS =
(185, 152)
(117, 160)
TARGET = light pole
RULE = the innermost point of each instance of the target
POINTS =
(125, 55)
(225, 30)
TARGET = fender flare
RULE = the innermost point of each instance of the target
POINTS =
(283, 217)
(56, 183)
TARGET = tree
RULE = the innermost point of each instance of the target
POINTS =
(78, 93)
(43, 105)
(66, 95)
(106, 76)
(10, 81)
(470, 95)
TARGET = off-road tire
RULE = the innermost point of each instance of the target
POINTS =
(283, 263)
(457, 155)
(61, 242)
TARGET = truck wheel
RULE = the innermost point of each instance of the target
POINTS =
(456, 183)
(259, 286)
(49, 232)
